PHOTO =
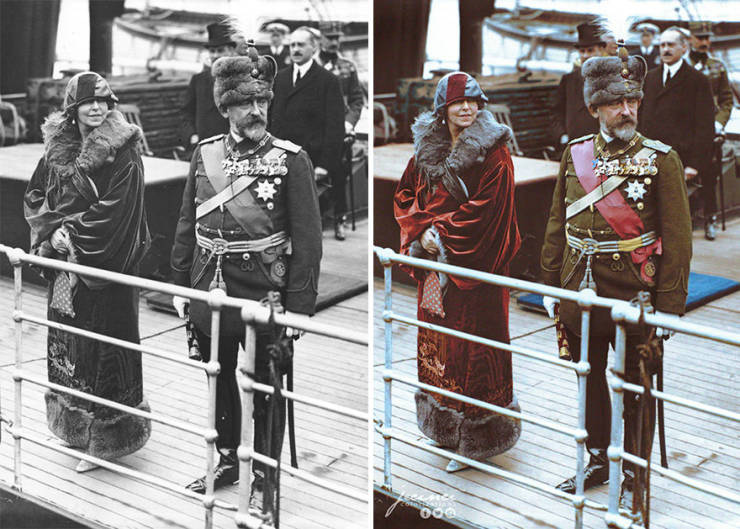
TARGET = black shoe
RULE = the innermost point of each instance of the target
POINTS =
(626, 498)
(340, 229)
(226, 473)
(710, 228)
(596, 473)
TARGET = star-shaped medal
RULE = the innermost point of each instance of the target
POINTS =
(266, 190)
(635, 190)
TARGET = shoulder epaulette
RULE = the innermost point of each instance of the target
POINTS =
(287, 145)
(582, 138)
(211, 139)
(657, 145)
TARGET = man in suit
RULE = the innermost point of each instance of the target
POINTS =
(714, 69)
(678, 110)
(279, 51)
(330, 58)
(308, 109)
(572, 119)
(647, 49)
(201, 118)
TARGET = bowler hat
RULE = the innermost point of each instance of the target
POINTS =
(219, 34)
(589, 34)
(701, 28)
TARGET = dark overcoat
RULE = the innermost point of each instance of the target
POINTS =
(570, 115)
(652, 59)
(200, 114)
(680, 114)
(310, 114)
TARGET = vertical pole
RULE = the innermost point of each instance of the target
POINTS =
(582, 370)
(388, 307)
(212, 370)
(18, 416)
(615, 447)
(246, 446)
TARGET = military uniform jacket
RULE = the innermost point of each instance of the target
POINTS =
(282, 200)
(715, 70)
(659, 200)
(354, 99)
(570, 114)
(680, 114)
(200, 115)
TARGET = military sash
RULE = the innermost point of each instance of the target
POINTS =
(613, 207)
(242, 205)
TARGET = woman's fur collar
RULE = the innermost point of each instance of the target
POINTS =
(432, 143)
(64, 146)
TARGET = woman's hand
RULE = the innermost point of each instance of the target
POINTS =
(428, 242)
(60, 240)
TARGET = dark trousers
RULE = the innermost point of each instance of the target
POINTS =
(228, 403)
(598, 401)
(339, 192)
(709, 192)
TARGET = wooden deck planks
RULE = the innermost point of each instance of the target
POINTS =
(329, 446)
(699, 446)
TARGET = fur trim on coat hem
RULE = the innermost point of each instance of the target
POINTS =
(110, 438)
(479, 438)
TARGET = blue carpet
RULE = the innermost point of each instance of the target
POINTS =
(703, 288)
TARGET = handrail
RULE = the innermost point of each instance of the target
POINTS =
(253, 313)
(623, 314)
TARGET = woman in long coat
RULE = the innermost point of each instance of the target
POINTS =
(85, 204)
(455, 204)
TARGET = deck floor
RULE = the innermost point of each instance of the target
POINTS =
(329, 446)
(699, 446)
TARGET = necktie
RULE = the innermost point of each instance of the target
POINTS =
(297, 77)
(667, 78)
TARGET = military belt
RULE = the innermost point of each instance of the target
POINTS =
(219, 246)
(589, 246)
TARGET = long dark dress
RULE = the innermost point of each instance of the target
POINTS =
(479, 232)
(101, 204)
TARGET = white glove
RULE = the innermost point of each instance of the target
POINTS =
(319, 173)
(290, 331)
(60, 240)
(718, 127)
(660, 332)
(180, 305)
(563, 139)
(549, 304)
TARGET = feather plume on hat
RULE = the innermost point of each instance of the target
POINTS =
(247, 75)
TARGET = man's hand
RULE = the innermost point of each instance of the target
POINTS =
(428, 242)
(60, 240)
(290, 331)
(563, 139)
(690, 173)
(319, 173)
(180, 304)
(549, 304)
(661, 332)
(194, 139)
(719, 128)
(349, 128)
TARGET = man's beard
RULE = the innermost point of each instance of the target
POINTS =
(624, 131)
(252, 128)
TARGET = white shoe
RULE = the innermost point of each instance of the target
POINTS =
(455, 466)
(85, 466)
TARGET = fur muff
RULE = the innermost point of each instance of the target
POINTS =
(432, 143)
(110, 438)
(63, 145)
(604, 83)
(479, 438)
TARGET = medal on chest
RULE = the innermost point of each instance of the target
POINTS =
(625, 166)
(255, 166)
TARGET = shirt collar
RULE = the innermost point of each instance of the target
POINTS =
(647, 50)
(238, 139)
(673, 68)
(303, 68)
(606, 137)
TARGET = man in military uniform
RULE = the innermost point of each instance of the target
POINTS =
(201, 118)
(647, 50)
(354, 99)
(249, 224)
(619, 224)
(280, 52)
(714, 69)
(572, 118)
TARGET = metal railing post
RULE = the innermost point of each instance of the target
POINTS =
(246, 447)
(15, 259)
(213, 368)
(387, 380)
(582, 370)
